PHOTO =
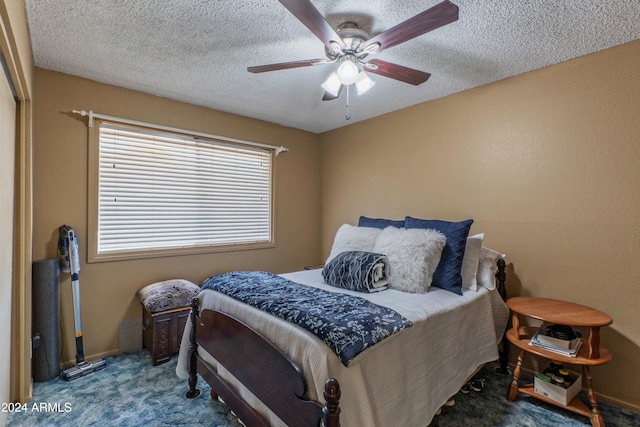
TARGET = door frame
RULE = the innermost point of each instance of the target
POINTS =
(15, 48)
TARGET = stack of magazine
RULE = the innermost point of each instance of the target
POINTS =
(563, 346)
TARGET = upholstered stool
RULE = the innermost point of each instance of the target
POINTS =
(165, 307)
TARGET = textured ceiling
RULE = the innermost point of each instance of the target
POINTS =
(197, 51)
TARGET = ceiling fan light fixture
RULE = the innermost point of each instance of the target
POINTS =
(363, 83)
(332, 84)
(347, 72)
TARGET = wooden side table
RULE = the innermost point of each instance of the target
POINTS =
(591, 352)
(162, 332)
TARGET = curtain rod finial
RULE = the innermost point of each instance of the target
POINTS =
(83, 113)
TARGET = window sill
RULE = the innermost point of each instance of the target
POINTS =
(171, 252)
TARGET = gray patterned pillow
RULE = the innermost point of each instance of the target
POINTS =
(168, 294)
(357, 271)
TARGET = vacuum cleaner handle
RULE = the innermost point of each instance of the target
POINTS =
(74, 261)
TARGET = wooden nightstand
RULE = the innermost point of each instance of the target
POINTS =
(590, 353)
(162, 332)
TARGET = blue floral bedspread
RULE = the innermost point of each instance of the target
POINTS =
(347, 324)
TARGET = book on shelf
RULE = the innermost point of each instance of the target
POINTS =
(556, 341)
(571, 351)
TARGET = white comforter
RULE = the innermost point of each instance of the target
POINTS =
(400, 381)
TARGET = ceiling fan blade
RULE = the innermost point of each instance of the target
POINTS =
(396, 72)
(330, 97)
(287, 65)
(306, 12)
(441, 14)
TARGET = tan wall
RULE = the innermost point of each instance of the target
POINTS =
(60, 197)
(547, 164)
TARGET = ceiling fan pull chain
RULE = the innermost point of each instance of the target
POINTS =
(347, 116)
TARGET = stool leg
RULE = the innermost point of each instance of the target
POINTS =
(597, 420)
(513, 388)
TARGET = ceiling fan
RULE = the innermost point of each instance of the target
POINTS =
(348, 45)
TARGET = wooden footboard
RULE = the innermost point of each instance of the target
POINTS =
(261, 367)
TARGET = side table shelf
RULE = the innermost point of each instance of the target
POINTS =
(591, 352)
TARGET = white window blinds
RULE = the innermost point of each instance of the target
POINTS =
(159, 190)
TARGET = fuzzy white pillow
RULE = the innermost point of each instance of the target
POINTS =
(470, 262)
(413, 256)
(352, 238)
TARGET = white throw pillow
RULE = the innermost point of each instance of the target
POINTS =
(487, 267)
(470, 262)
(352, 238)
(413, 256)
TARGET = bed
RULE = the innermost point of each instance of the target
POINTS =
(272, 372)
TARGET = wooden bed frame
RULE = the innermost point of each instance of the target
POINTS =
(271, 375)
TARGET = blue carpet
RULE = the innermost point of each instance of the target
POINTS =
(490, 408)
(131, 392)
(128, 392)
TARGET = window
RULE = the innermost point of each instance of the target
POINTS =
(159, 193)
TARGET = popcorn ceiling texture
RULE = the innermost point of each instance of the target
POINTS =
(198, 51)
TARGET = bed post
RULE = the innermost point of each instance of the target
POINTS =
(193, 392)
(501, 277)
(331, 408)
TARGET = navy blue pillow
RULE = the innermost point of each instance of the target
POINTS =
(447, 275)
(380, 222)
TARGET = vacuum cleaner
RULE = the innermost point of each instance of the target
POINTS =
(70, 263)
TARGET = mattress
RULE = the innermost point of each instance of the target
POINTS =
(402, 380)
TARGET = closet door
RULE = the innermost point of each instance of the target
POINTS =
(7, 185)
